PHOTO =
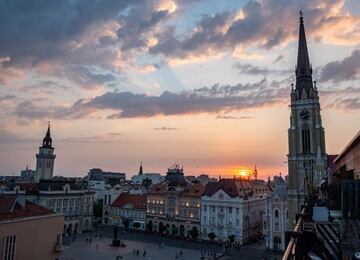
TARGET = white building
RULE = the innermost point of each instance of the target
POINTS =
(98, 179)
(129, 210)
(142, 178)
(276, 216)
(231, 207)
(45, 159)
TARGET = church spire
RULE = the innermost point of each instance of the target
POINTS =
(303, 68)
(141, 169)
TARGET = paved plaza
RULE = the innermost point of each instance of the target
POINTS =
(100, 250)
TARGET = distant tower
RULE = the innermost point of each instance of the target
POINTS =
(141, 169)
(255, 173)
(307, 158)
(45, 158)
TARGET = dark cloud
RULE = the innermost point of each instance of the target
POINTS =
(346, 69)
(278, 58)
(204, 100)
(32, 32)
(164, 128)
(233, 117)
(7, 98)
(137, 24)
(347, 103)
(47, 86)
(87, 77)
(256, 70)
(262, 24)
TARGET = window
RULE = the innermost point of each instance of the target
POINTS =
(205, 208)
(277, 226)
(9, 248)
(237, 211)
(230, 210)
(276, 213)
(306, 139)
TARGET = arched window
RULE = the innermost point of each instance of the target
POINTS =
(305, 134)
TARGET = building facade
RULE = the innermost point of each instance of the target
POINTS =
(276, 216)
(29, 231)
(129, 211)
(348, 161)
(231, 207)
(307, 156)
(173, 206)
(65, 197)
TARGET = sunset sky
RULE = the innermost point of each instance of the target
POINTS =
(205, 83)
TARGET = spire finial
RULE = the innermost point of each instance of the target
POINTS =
(141, 169)
(301, 17)
(48, 130)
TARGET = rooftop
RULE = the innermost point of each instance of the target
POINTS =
(137, 201)
(11, 208)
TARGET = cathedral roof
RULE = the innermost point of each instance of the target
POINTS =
(304, 83)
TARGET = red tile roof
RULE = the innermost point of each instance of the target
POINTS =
(137, 201)
(195, 190)
(158, 189)
(10, 208)
(232, 187)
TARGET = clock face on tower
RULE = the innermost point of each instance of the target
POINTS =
(304, 115)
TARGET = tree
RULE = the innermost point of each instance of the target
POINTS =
(98, 209)
(211, 236)
(174, 230)
(194, 233)
(162, 228)
(126, 223)
(136, 224)
(232, 238)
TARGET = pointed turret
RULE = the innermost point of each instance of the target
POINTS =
(303, 68)
(47, 141)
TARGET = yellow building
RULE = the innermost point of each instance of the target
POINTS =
(28, 231)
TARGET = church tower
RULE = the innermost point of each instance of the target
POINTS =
(307, 159)
(45, 158)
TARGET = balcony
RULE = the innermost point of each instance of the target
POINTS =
(312, 240)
